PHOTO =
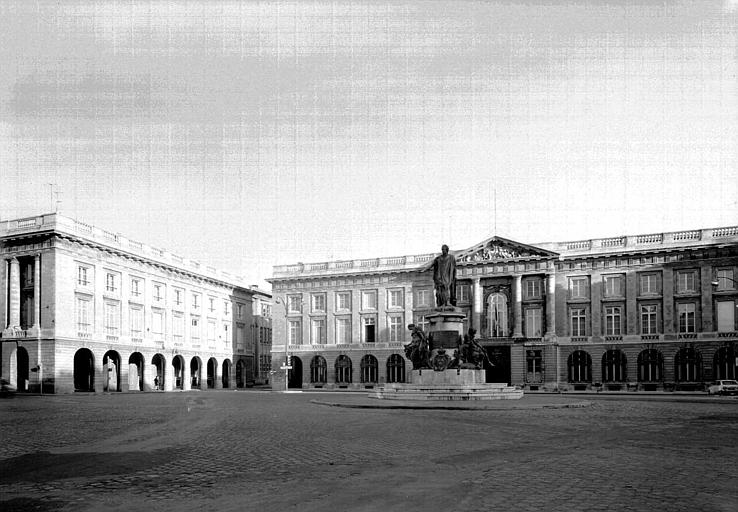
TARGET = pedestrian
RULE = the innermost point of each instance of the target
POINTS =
(156, 383)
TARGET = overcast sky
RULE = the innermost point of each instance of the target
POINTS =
(250, 134)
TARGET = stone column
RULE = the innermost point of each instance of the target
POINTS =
(518, 307)
(37, 292)
(14, 317)
(476, 319)
(551, 305)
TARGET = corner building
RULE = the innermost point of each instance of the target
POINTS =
(84, 309)
(642, 312)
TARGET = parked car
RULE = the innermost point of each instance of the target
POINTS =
(6, 389)
(723, 387)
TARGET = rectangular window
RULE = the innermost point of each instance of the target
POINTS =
(579, 287)
(112, 318)
(226, 337)
(226, 308)
(157, 321)
(649, 319)
(135, 287)
(533, 289)
(239, 337)
(394, 298)
(295, 332)
(613, 318)
(136, 321)
(158, 295)
(370, 329)
(578, 319)
(422, 322)
(369, 299)
(343, 330)
(725, 279)
(318, 300)
(318, 331)
(211, 304)
(687, 317)
(111, 283)
(195, 301)
(423, 298)
(294, 304)
(394, 322)
(84, 314)
(343, 301)
(178, 327)
(686, 281)
(725, 310)
(178, 297)
(239, 314)
(463, 292)
(649, 284)
(613, 286)
(82, 276)
(533, 322)
(195, 329)
(211, 331)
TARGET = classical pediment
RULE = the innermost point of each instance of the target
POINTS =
(501, 249)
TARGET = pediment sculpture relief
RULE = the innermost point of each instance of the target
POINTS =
(495, 251)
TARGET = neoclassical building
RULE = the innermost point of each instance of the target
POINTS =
(643, 312)
(84, 309)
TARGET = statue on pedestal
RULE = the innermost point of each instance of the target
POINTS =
(471, 353)
(444, 278)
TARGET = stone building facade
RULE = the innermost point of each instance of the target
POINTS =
(643, 312)
(84, 309)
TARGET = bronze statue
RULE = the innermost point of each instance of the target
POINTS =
(472, 353)
(417, 350)
(444, 278)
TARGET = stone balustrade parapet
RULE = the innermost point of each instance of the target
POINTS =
(72, 227)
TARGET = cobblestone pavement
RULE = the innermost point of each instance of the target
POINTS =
(261, 451)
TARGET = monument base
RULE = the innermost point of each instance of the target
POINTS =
(458, 384)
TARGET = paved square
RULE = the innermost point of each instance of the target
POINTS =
(262, 451)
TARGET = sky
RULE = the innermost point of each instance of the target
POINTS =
(252, 134)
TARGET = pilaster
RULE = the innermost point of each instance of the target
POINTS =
(477, 304)
(551, 305)
(518, 306)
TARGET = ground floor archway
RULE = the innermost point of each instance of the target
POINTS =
(19, 369)
(226, 374)
(111, 371)
(159, 364)
(178, 365)
(294, 379)
(136, 372)
(195, 372)
(212, 370)
(84, 370)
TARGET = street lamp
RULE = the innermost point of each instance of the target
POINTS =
(716, 281)
(286, 366)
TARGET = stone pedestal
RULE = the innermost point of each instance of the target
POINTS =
(446, 326)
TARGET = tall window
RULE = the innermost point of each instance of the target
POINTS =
(613, 320)
(533, 288)
(178, 327)
(369, 299)
(725, 279)
(195, 329)
(649, 319)
(534, 361)
(687, 281)
(343, 370)
(578, 287)
(423, 298)
(318, 370)
(422, 322)
(239, 309)
(178, 297)
(82, 276)
(394, 322)
(157, 321)
(318, 331)
(226, 308)
(136, 320)
(240, 332)
(135, 287)
(343, 301)
(395, 368)
(394, 298)
(211, 304)
(319, 302)
(578, 321)
(84, 314)
(463, 292)
(686, 313)
(343, 330)
(158, 295)
(650, 366)
(111, 283)
(497, 306)
(688, 365)
(370, 329)
(725, 310)
(649, 284)
(613, 286)
(369, 369)
(211, 331)
(533, 322)
(580, 366)
(195, 301)
(295, 332)
(614, 365)
(112, 318)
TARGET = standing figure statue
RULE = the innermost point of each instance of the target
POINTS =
(444, 278)
(472, 354)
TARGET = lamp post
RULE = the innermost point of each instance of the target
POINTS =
(286, 366)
